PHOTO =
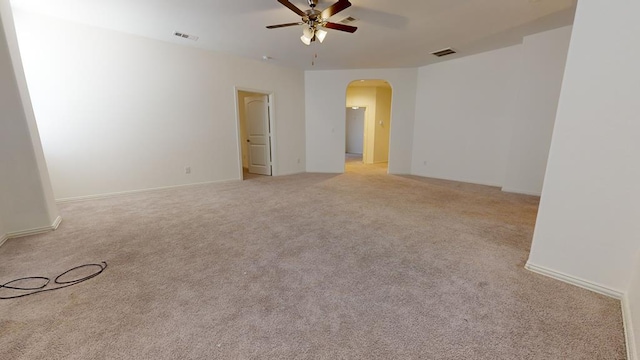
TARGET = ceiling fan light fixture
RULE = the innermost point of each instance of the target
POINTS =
(320, 35)
(308, 32)
(305, 40)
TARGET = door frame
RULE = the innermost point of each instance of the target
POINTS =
(272, 129)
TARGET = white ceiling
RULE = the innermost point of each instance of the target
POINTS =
(399, 33)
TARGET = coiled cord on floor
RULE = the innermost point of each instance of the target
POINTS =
(42, 288)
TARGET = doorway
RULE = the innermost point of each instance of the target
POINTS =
(355, 130)
(255, 135)
(368, 123)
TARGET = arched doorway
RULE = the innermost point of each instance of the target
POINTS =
(368, 122)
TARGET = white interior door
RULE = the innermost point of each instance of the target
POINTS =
(258, 132)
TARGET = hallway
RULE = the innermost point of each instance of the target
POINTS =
(353, 164)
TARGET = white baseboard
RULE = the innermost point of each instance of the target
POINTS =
(288, 173)
(56, 223)
(129, 192)
(628, 330)
(523, 192)
(44, 229)
(3, 238)
(574, 281)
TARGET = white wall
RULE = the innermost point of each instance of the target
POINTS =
(26, 198)
(463, 117)
(587, 223)
(119, 112)
(544, 56)
(325, 93)
(488, 118)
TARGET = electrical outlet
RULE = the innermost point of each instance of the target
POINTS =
(298, 160)
(187, 170)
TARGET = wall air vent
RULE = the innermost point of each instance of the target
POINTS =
(443, 52)
(185, 36)
(348, 20)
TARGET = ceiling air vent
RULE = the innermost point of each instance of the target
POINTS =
(444, 52)
(348, 20)
(185, 36)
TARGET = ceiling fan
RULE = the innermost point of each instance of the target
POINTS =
(315, 20)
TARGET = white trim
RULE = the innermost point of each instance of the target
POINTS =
(3, 238)
(523, 192)
(110, 195)
(40, 230)
(56, 223)
(291, 173)
(629, 335)
(574, 281)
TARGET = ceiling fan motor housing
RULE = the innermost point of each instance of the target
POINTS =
(313, 16)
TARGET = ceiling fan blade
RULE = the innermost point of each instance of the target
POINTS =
(283, 25)
(335, 8)
(292, 7)
(334, 26)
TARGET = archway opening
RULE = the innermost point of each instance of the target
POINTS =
(368, 124)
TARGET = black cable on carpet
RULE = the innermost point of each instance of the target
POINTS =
(42, 288)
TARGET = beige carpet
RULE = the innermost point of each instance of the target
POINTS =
(357, 266)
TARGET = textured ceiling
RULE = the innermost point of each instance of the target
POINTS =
(399, 33)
